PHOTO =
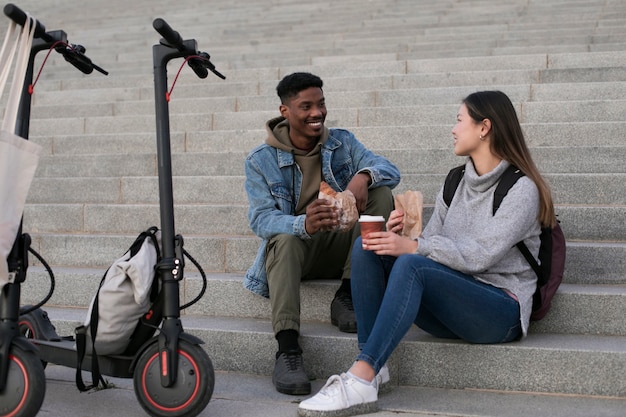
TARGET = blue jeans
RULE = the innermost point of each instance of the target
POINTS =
(390, 294)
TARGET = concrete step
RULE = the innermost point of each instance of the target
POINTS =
(589, 222)
(587, 262)
(599, 134)
(262, 82)
(242, 394)
(592, 309)
(550, 160)
(205, 119)
(524, 93)
(455, 70)
(583, 189)
(544, 363)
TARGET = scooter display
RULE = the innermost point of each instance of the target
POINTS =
(172, 374)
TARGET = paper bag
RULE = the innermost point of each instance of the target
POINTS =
(411, 204)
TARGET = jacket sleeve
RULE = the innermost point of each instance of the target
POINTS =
(382, 171)
(265, 216)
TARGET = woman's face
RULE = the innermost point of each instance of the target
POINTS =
(466, 133)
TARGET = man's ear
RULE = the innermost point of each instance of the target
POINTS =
(284, 111)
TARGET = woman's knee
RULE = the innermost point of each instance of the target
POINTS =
(411, 263)
(360, 255)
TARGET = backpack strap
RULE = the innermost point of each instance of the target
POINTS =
(81, 348)
(532, 261)
(507, 180)
(452, 183)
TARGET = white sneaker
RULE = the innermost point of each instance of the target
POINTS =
(382, 379)
(342, 396)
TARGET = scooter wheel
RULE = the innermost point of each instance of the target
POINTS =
(25, 387)
(192, 390)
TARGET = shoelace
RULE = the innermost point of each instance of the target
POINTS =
(335, 384)
(346, 301)
(293, 361)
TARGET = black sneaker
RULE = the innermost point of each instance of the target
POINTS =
(342, 313)
(289, 376)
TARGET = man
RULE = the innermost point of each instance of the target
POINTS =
(299, 234)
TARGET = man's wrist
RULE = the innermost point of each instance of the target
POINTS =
(368, 176)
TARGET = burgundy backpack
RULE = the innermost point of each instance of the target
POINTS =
(551, 263)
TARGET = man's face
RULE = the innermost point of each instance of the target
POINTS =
(306, 113)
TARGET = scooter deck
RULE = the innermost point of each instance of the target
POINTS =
(63, 352)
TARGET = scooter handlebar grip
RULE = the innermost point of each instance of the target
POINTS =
(18, 16)
(170, 35)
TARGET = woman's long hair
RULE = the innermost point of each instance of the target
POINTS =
(507, 142)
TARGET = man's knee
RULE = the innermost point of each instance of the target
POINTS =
(283, 247)
(379, 202)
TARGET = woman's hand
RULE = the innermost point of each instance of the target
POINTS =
(389, 243)
(395, 223)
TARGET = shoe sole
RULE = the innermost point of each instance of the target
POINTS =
(385, 387)
(357, 409)
(346, 328)
(304, 389)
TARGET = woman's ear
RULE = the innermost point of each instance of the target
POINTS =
(485, 127)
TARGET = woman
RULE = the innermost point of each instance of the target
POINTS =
(463, 278)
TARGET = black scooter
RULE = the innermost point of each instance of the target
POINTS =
(22, 377)
(172, 374)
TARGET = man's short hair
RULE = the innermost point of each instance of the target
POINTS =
(292, 84)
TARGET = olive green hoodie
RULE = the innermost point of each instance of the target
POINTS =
(310, 163)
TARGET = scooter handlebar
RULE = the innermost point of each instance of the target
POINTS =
(170, 35)
(200, 64)
(73, 54)
(18, 16)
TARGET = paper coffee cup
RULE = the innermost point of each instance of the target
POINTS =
(371, 224)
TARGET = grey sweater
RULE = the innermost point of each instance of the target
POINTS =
(468, 238)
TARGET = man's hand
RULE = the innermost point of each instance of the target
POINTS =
(359, 185)
(321, 216)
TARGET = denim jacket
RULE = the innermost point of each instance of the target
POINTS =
(273, 184)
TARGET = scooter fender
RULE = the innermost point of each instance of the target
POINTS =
(39, 324)
(185, 336)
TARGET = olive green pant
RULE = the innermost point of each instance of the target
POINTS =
(326, 255)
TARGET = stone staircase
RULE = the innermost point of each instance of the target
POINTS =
(394, 72)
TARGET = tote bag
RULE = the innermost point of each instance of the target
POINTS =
(18, 156)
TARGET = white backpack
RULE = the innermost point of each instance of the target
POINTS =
(126, 293)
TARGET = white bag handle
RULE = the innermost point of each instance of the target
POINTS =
(24, 43)
(6, 56)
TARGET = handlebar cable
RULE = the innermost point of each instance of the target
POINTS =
(168, 94)
(31, 88)
(67, 46)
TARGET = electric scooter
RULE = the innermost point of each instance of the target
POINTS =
(172, 374)
(22, 378)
